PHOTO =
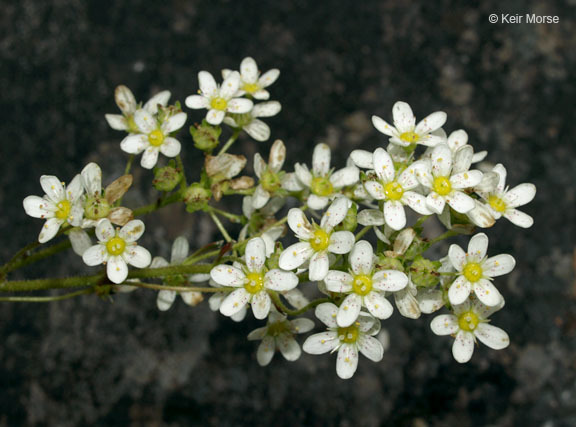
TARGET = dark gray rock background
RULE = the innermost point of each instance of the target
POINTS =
(512, 87)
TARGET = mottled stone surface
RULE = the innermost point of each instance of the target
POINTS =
(87, 361)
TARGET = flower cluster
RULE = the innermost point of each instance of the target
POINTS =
(306, 241)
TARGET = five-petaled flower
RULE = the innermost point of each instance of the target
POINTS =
(251, 82)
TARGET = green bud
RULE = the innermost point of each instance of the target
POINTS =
(350, 220)
(196, 197)
(206, 137)
(96, 207)
(388, 263)
(424, 272)
(167, 178)
(273, 260)
(242, 119)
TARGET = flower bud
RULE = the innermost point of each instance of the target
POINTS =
(388, 263)
(196, 197)
(96, 207)
(206, 137)
(166, 178)
(424, 272)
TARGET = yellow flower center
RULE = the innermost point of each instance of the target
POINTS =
(362, 284)
(219, 103)
(270, 181)
(497, 203)
(255, 282)
(411, 137)
(156, 138)
(393, 190)
(348, 335)
(468, 321)
(442, 186)
(115, 246)
(63, 210)
(472, 271)
(251, 87)
(320, 241)
(321, 186)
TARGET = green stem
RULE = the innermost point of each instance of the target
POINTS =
(129, 164)
(183, 182)
(282, 307)
(179, 288)
(443, 236)
(49, 298)
(362, 232)
(230, 141)
(238, 219)
(220, 226)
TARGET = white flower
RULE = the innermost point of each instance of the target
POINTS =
(165, 299)
(58, 206)
(218, 99)
(470, 321)
(252, 282)
(475, 271)
(279, 334)
(127, 104)
(250, 121)
(447, 177)
(317, 241)
(215, 301)
(395, 189)
(118, 248)
(269, 174)
(322, 181)
(364, 286)
(251, 82)
(503, 202)
(347, 341)
(405, 131)
(153, 137)
(459, 139)
(265, 214)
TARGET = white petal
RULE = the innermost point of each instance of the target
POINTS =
(378, 305)
(457, 257)
(197, 102)
(338, 281)
(460, 202)
(435, 203)
(407, 304)
(341, 242)
(230, 86)
(462, 159)
(265, 351)
(116, 121)
(389, 280)
(362, 159)
(501, 171)
(299, 224)
(53, 188)
(79, 240)
(519, 218)
(498, 265)
(239, 105)
(441, 159)
(266, 109)
(492, 336)
(75, 189)
(457, 139)
(159, 262)
(431, 123)
(459, 290)
(349, 310)
(487, 293)
(479, 156)
(466, 179)
(520, 195)
(347, 361)
(317, 203)
(235, 302)
(269, 77)
(228, 275)
(174, 123)
(383, 165)
(319, 265)
(382, 126)
(321, 160)
(371, 348)
(394, 214)
(478, 246)
(258, 334)
(180, 249)
(37, 207)
(445, 324)
(375, 189)
(259, 165)
(161, 98)
(95, 255)
(215, 117)
(303, 174)
(295, 255)
(301, 326)
(207, 83)
(345, 177)
(132, 231)
(171, 147)
(125, 99)
(404, 240)
(321, 343)
(277, 155)
(261, 305)
(137, 256)
(249, 70)
(165, 299)
(255, 254)
(326, 313)
(288, 347)
(429, 300)
(134, 144)
(279, 280)
(92, 178)
(371, 217)
(116, 269)
(145, 121)
(335, 213)
(408, 179)
(361, 258)
(104, 230)
(417, 202)
(149, 158)
(404, 119)
(463, 347)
